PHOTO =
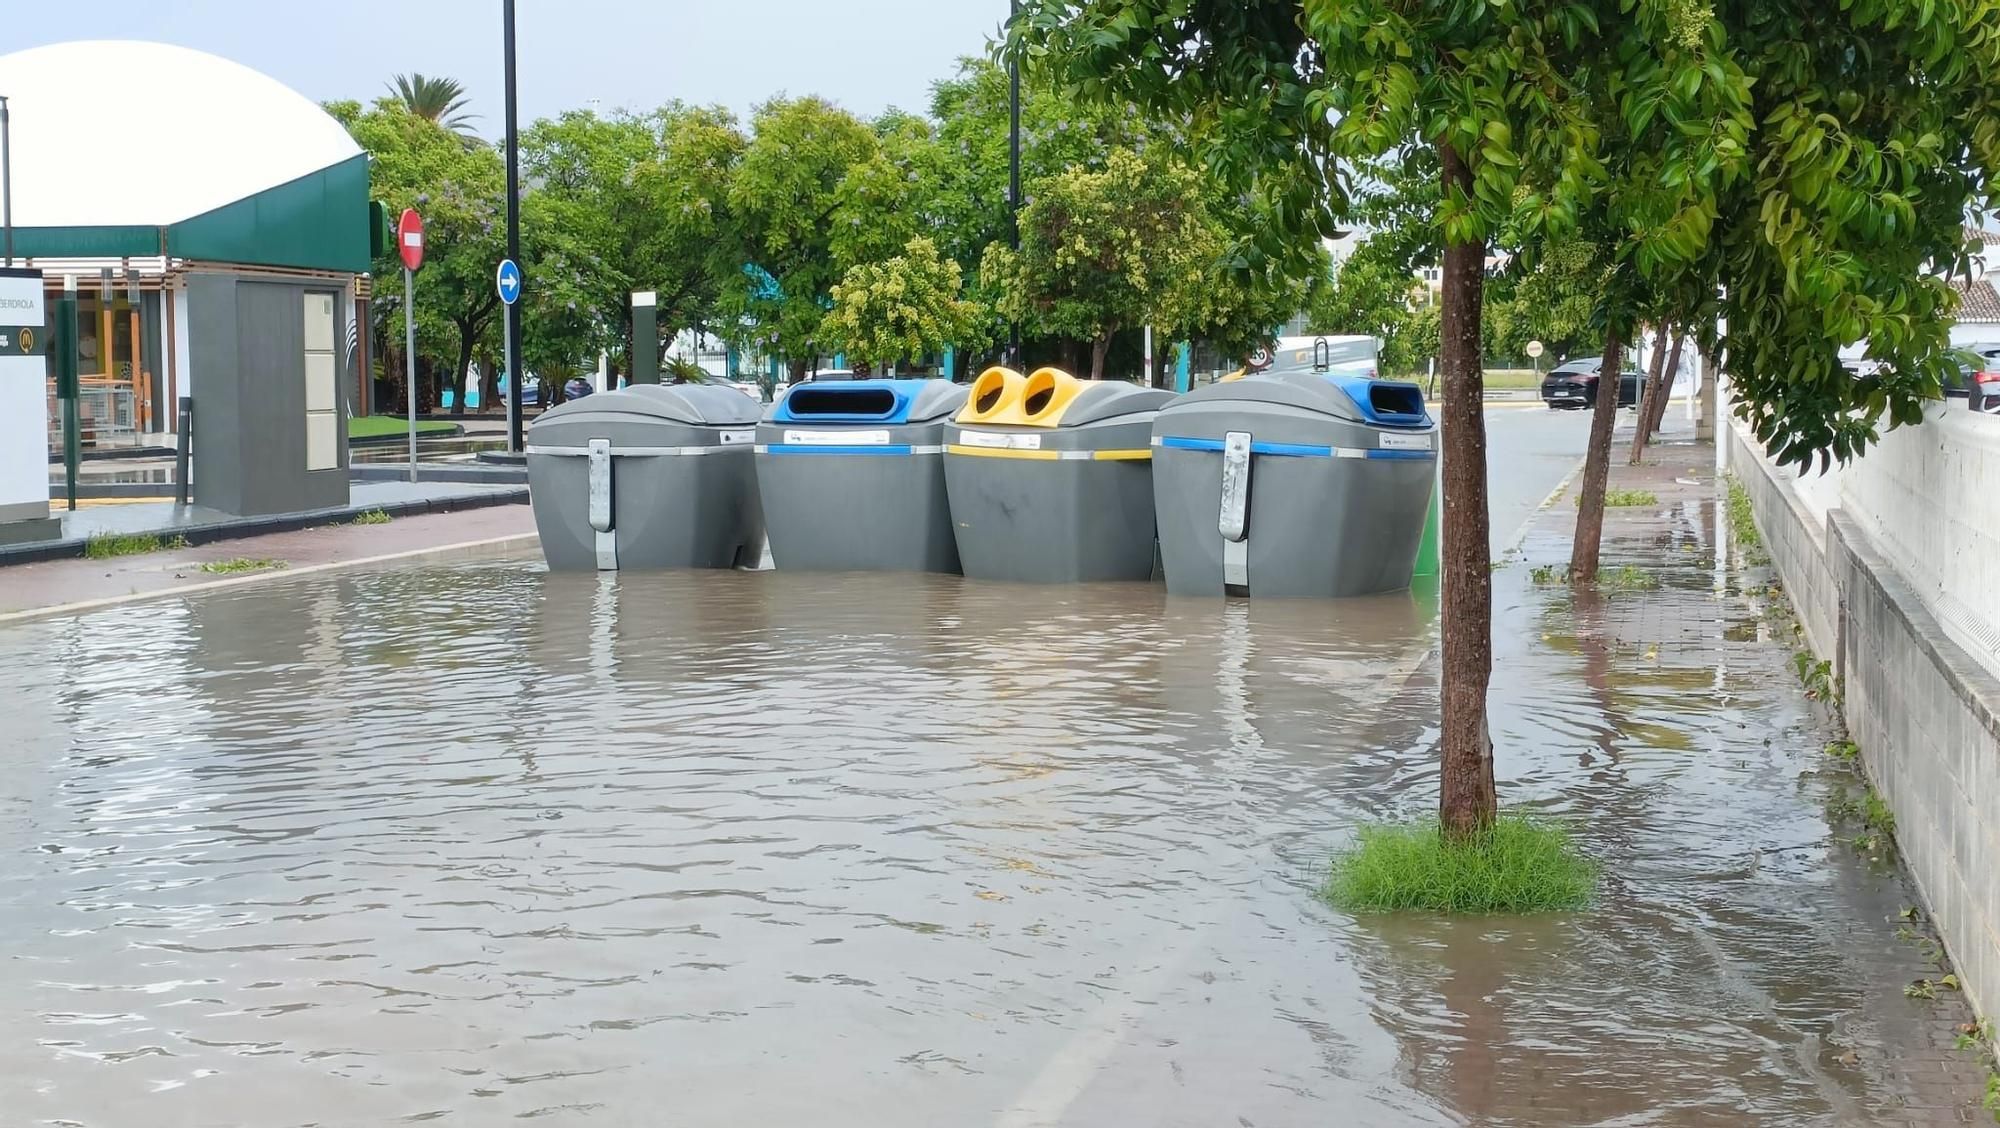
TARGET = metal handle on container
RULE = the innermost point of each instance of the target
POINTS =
(600, 504)
(1233, 522)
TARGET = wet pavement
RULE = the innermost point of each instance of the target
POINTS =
(475, 842)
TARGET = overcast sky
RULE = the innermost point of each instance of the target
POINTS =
(865, 54)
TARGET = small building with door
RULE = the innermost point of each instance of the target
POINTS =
(215, 226)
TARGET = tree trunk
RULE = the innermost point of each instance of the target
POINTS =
(467, 341)
(1597, 464)
(1654, 386)
(1659, 416)
(1466, 799)
(1098, 350)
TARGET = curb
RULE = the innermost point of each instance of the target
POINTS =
(498, 544)
(71, 548)
(402, 439)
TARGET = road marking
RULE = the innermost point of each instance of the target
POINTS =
(510, 541)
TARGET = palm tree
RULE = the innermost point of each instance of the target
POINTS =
(442, 100)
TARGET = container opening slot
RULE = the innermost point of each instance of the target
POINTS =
(989, 396)
(1038, 399)
(1388, 399)
(849, 402)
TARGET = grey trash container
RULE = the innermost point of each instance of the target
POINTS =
(647, 477)
(1050, 478)
(851, 473)
(1293, 484)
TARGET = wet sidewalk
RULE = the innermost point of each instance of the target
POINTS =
(72, 584)
(200, 525)
(1754, 939)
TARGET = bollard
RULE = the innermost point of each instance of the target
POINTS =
(183, 442)
(1427, 548)
(68, 387)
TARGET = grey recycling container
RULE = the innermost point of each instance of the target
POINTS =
(648, 477)
(1299, 483)
(851, 473)
(1050, 478)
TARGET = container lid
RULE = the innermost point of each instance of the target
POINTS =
(869, 401)
(1360, 399)
(680, 403)
(1098, 401)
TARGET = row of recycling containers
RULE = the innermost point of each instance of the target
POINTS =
(1301, 483)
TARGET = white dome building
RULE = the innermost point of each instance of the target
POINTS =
(218, 243)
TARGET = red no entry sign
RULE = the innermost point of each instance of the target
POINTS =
(410, 239)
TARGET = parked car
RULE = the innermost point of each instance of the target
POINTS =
(1573, 384)
(1979, 376)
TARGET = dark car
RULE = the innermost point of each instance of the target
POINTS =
(1573, 383)
(1978, 376)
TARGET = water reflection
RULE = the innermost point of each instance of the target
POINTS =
(480, 842)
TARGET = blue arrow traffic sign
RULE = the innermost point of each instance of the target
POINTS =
(507, 280)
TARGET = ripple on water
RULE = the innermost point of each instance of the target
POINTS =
(476, 842)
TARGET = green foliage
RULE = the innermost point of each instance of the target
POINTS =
(105, 546)
(788, 198)
(1548, 575)
(1101, 251)
(239, 564)
(1863, 181)
(904, 306)
(1627, 577)
(458, 188)
(1372, 293)
(1845, 751)
(376, 426)
(1620, 499)
(1519, 865)
(371, 517)
(439, 100)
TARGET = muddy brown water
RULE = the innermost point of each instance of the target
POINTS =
(477, 843)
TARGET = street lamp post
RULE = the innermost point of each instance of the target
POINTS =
(513, 311)
(7, 179)
(1014, 166)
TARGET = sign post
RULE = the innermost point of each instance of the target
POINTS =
(1535, 351)
(645, 337)
(410, 245)
(24, 412)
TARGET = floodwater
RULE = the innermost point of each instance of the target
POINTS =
(478, 842)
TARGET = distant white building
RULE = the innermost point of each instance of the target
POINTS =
(1979, 297)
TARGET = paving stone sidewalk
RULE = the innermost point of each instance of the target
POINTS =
(1663, 709)
(53, 584)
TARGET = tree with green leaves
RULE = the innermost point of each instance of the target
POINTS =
(1285, 97)
(1372, 293)
(435, 99)
(787, 196)
(458, 189)
(903, 306)
(1101, 251)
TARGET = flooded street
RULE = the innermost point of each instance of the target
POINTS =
(475, 842)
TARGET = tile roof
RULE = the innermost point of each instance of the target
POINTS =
(1978, 303)
(1981, 235)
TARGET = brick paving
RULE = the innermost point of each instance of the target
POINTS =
(1695, 652)
(35, 588)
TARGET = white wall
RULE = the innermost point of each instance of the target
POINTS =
(1930, 497)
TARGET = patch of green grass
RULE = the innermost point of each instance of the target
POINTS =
(105, 546)
(1991, 1102)
(1626, 499)
(376, 426)
(372, 517)
(1627, 577)
(1547, 575)
(1844, 750)
(240, 564)
(1743, 522)
(1520, 865)
(1975, 1035)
